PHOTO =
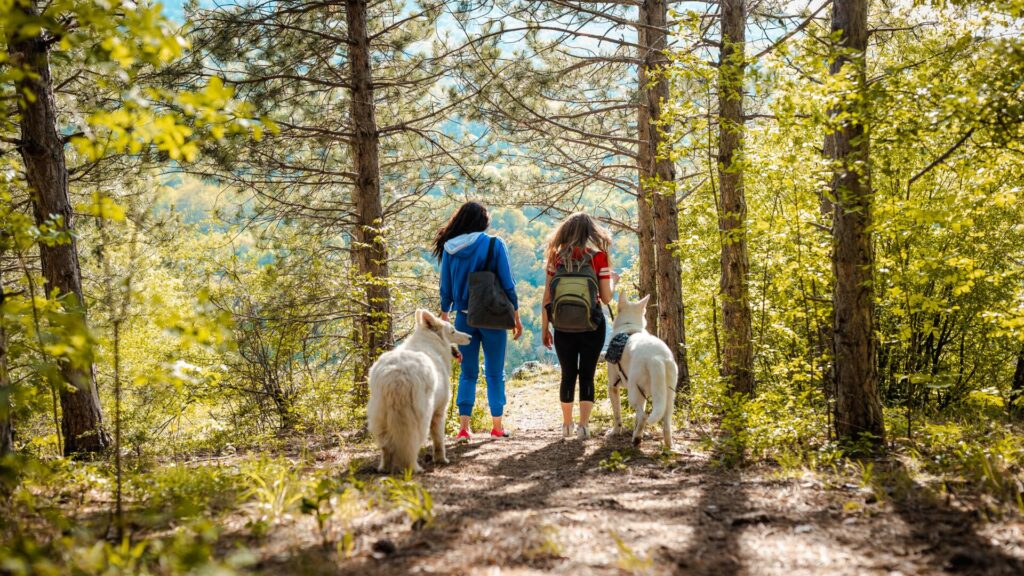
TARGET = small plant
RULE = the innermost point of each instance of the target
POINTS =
(411, 497)
(667, 458)
(629, 560)
(543, 544)
(615, 462)
(334, 504)
(276, 489)
(791, 463)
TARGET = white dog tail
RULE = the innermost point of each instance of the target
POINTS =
(663, 374)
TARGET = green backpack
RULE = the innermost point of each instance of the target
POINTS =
(573, 305)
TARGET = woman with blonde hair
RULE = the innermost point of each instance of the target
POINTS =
(579, 279)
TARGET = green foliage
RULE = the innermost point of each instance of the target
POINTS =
(615, 462)
(411, 497)
(186, 550)
(334, 503)
(185, 492)
(276, 487)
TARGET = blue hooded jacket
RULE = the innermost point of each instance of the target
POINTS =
(468, 253)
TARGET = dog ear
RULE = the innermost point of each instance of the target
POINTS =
(622, 298)
(430, 321)
(419, 316)
(643, 301)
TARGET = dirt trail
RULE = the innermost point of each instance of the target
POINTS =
(537, 504)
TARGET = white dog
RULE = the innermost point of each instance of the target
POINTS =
(409, 391)
(646, 368)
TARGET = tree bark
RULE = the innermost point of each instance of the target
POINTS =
(369, 248)
(858, 409)
(738, 353)
(6, 423)
(671, 314)
(1017, 388)
(648, 266)
(42, 150)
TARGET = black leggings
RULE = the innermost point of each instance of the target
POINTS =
(578, 353)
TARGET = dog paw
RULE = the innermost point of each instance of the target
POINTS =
(441, 461)
(615, 431)
(637, 440)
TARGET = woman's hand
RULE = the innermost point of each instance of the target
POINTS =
(517, 330)
(546, 338)
(444, 316)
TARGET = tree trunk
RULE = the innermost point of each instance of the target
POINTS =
(648, 280)
(369, 249)
(671, 314)
(738, 353)
(42, 150)
(6, 426)
(1017, 388)
(858, 409)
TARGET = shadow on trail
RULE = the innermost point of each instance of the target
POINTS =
(718, 518)
(946, 538)
(523, 481)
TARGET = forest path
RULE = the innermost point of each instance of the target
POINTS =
(537, 504)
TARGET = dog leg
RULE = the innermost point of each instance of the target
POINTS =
(641, 423)
(666, 430)
(437, 435)
(385, 461)
(613, 396)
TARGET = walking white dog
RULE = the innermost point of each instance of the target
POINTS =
(409, 391)
(647, 369)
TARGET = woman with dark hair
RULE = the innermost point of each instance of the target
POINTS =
(461, 246)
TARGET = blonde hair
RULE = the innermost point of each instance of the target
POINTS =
(575, 232)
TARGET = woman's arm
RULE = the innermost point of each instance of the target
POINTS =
(604, 289)
(546, 338)
(604, 274)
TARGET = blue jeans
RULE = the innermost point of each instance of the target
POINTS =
(494, 342)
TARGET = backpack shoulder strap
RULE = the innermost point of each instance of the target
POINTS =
(490, 254)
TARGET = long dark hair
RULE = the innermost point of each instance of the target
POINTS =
(470, 217)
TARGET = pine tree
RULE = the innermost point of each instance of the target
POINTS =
(858, 409)
(738, 356)
(42, 151)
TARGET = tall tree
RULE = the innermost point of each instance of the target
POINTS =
(647, 255)
(737, 354)
(6, 426)
(671, 313)
(42, 151)
(369, 247)
(858, 408)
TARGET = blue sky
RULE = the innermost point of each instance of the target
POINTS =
(172, 8)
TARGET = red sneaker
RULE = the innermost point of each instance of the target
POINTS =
(495, 433)
(462, 437)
